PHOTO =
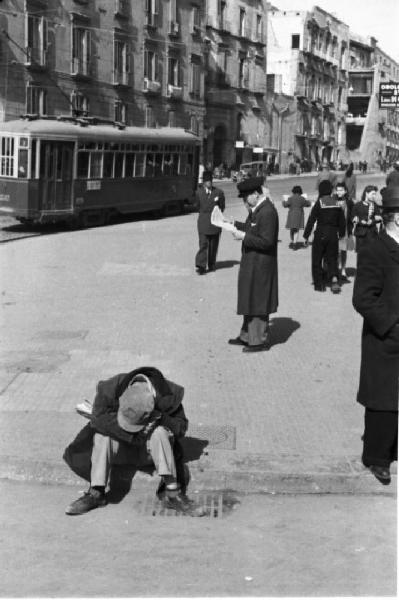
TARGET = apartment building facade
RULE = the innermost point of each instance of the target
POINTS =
(372, 133)
(138, 62)
(308, 60)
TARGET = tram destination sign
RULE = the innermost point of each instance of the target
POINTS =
(389, 95)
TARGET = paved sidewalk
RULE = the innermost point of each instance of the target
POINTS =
(81, 306)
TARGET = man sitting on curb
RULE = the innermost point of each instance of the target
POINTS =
(137, 418)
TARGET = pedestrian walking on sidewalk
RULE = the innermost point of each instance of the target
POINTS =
(137, 419)
(296, 214)
(366, 217)
(209, 235)
(350, 182)
(329, 219)
(393, 176)
(376, 298)
(257, 277)
(345, 243)
(325, 175)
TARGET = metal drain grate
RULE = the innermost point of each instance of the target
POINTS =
(222, 437)
(214, 506)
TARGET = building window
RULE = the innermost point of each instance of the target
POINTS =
(152, 13)
(120, 112)
(196, 19)
(149, 117)
(194, 125)
(195, 85)
(174, 71)
(259, 28)
(79, 104)
(172, 118)
(295, 41)
(36, 39)
(242, 22)
(36, 100)
(151, 65)
(7, 158)
(270, 82)
(81, 51)
(243, 73)
(222, 14)
(121, 62)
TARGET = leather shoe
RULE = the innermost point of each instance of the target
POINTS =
(381, 473)
(237, 342)
(201, 271)
(256, 348)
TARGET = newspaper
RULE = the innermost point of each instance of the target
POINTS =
(217, 219)
(84, 408)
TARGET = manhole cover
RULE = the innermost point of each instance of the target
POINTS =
(223, 436)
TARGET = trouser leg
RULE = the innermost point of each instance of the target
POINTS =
(103, 453)
(213, 244)
(317, 258)
(380, 440)
(160, 448)
(332, 257)
(202, 255)
(255, 329)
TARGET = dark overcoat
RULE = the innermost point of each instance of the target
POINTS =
(376, 298)
(206, 203)
(168, 402)
(257, 277)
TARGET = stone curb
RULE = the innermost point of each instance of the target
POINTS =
(347, 477)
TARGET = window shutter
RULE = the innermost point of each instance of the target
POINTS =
(146, 70)
(156, 67)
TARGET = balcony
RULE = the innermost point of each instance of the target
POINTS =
(175, 92)
(80, 68)
(120, 78)
(224, 26)
(152, 87)
(151, 20)
(35, 57)
(355, 120)
(174, 29)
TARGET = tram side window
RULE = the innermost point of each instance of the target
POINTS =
(129, 164)
(95, 165)
(167, 164)
(139, 168)
(158, 165)
(23, 163)
(189, 166)
(7, 157)
(119, 156)
(108, 167)
(183, 164)
(33, 159)
(150, 165)
(83, 164)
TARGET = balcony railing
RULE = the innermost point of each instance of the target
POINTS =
(174, 28)
(152, 86)
(121, 78)
(175, 91)
(35, 55)
(81, 67)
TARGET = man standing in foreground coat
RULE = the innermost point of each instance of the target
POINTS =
(137, 418)
(376, 298)
(257, 278)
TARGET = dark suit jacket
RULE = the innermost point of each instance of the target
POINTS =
(206, 203)
(376, 298)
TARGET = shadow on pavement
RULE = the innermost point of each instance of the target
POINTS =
(281, 329)
(227, 264)
(351, 272)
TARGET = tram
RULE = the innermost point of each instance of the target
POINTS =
(86, 172)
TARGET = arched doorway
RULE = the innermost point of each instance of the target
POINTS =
(219, 145)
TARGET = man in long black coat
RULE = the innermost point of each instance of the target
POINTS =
(257, 278)
(376, 298)
(208, 235)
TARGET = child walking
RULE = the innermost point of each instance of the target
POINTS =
(296, 216)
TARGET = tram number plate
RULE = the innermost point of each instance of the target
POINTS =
(4, 197)
(94, 185)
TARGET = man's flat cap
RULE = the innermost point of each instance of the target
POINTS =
(390, 198)
(207, 176)
(250, 185)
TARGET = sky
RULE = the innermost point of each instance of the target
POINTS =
(377, 18)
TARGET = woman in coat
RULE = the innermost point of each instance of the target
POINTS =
(376, 298)
(296, 215)
(350, 182)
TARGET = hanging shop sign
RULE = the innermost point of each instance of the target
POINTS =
(389, 95)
